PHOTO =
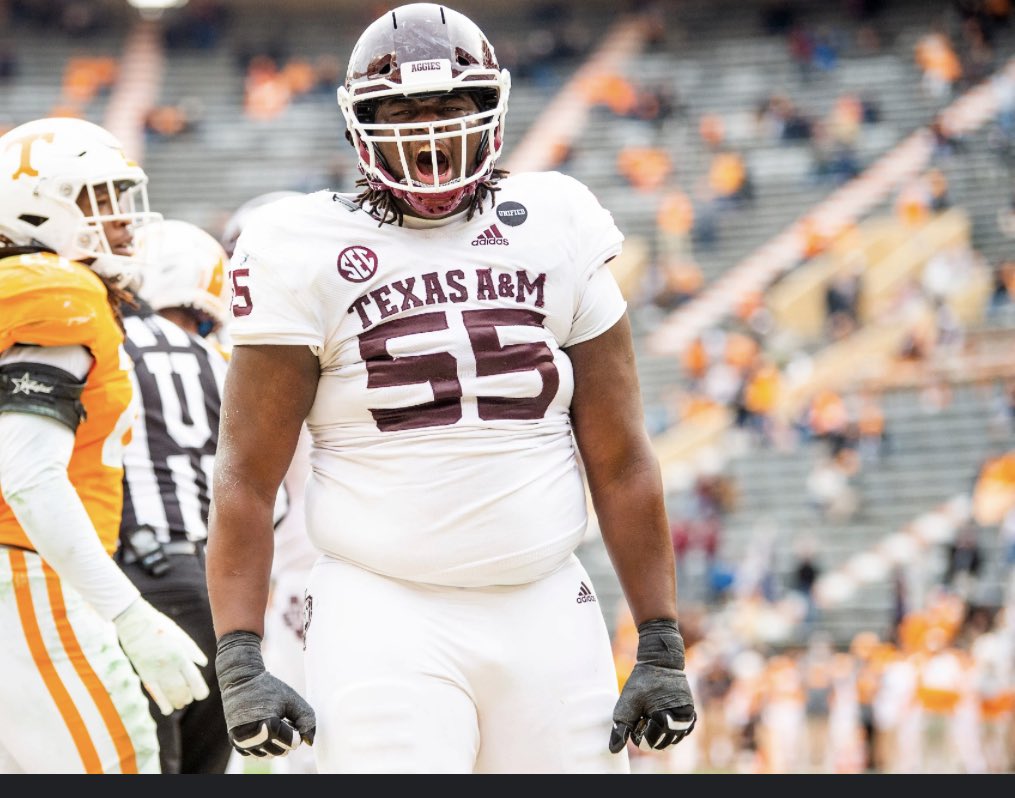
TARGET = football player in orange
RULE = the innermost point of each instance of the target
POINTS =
(72, 623)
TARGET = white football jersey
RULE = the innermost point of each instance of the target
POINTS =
(442, 448)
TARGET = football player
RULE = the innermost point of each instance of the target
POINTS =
(71, 622)
(178, 374)
(455, 343)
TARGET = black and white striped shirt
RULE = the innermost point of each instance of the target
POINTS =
(168, 463)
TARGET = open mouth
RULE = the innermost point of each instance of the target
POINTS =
(430, 163)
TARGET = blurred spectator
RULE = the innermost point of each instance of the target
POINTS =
(655, 105)
(9, 64)
(806, 570)
(939, 64)
(200, 25)
(826, 49)
(300, 76)
(941, 676)
(912, 203)
(829, 420)
(169, 121)
(950, 333)
(871, 109)
(779, 119)
(842, 300)
(872, 436)
(755, 576)
(1006, 538)
(266, 91)
(835, 162)
(994, 489)
(613, 91)
(695, 360)
(728, 179)
(710, 697)
(681, 280)
(329, 74)
(829, 487)
(993, 655)
(946, 141)
(947, 272)
(674, 223)
(817, 666)
(645, 168)
(81, 18)
(85, 77)
(964, 560)
(711, 131)
(977, 52)
(759, 401)
(1002, 412)
(800, 45)
(937, 187)
(1003, 290)
(846, 119)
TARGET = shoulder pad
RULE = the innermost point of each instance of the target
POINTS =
(51, 301)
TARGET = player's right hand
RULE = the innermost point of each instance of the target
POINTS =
(264, 715)
(164, 656)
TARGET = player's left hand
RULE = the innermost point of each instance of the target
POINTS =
(655, 708)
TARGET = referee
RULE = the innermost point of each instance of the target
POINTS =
(179, 371)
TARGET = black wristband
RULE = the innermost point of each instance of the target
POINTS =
(660, 643)
(238, 657)
(238, 638)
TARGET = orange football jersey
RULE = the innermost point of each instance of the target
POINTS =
(50, 301)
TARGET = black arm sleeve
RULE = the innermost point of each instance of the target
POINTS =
(43, 390)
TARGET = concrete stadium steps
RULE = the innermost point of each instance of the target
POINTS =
(931, 458)
(42, 57)
(717, 60)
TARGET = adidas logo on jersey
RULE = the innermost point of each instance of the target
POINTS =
(585, 595)
(490, 236)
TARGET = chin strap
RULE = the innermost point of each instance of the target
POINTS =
(436, 205)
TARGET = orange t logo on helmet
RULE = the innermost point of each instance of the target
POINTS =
(26, 154)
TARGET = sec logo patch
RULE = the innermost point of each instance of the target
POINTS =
(357, 264)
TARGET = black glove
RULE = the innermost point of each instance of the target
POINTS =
(656, 704)
(264, 715)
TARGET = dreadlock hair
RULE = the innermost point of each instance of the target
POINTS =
(118, 297)
(383, 206)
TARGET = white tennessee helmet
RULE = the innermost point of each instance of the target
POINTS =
(234, 226)
(46, 167)
(424, 49)
(185, 268)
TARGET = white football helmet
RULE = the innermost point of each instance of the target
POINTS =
(234, 226)
(423, 49)
(186, 268)
(46, 167)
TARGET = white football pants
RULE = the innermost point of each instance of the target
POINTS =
(283, 654)
(411, 678)
(69, 698)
